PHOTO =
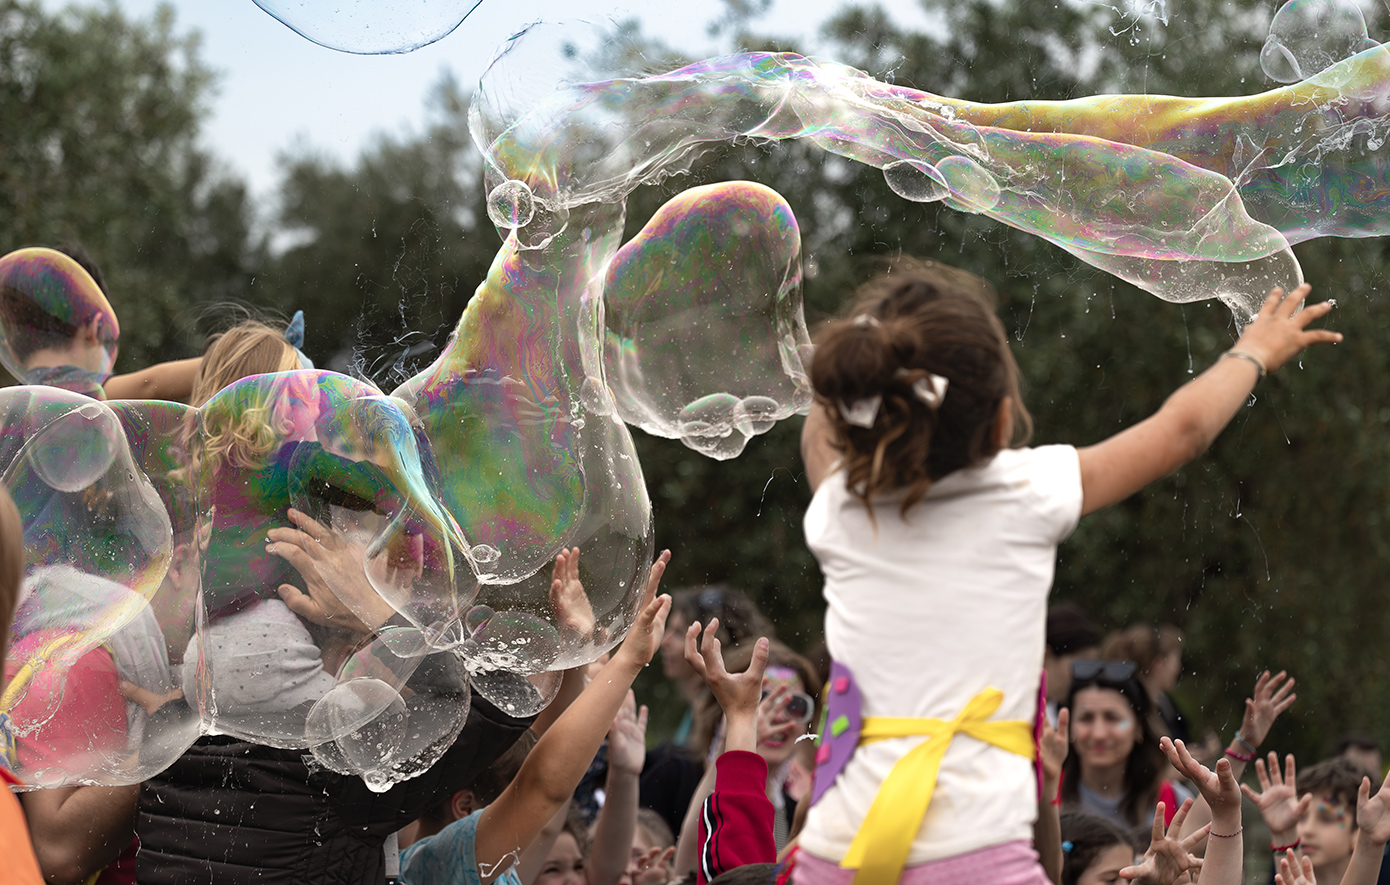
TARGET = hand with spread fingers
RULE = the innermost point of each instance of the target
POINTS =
(1295, 870)
(1277, 799)
(740, 695)
(1280, 330)
(1273, 695)
(1168, 857)
(339, 594)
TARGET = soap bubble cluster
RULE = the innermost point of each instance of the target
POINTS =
(162, 597)
(370, 27)
(56, 325)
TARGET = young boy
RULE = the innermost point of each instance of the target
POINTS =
(482, 847)
(1326, 815)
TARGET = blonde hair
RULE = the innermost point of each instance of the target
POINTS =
(248, 348)
(243, 434)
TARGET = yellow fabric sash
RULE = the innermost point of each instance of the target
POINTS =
(880, 848)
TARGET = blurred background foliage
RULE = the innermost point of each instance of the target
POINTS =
(1269, 552)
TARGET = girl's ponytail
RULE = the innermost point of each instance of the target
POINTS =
(912, 381)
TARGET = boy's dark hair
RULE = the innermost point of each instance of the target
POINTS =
(578, 828)
(1088, 836)
(748, 874)
(1337, 779)
(1359, 740)
(487, 786)
(916, 320)
(1070, 629)
(41, 329)
(77, 252)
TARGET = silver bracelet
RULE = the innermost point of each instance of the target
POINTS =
(1249, 358)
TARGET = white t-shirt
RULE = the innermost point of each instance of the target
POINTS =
(927, 613)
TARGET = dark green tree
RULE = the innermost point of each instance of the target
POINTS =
(100, 149)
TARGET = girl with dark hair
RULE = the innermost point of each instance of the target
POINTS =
(938, 543)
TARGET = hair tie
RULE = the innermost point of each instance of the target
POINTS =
(930, 390)
(861, 412)
(864, 321)
(1067, 847)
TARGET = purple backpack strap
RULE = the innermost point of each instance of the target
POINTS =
(840, 727)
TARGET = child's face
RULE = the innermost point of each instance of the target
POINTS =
(777, 746)
(564, 865)
(1105, 869)
(1327, 831)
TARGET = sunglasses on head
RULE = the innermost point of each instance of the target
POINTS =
(1102, 671)
(798, 706)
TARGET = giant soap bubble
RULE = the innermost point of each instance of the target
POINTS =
(371, 27)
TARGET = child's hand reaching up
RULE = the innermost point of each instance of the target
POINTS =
(1278, 800)
(1372, 832)
(1167, 857)
(1294, 870)
(739, 695)
(627, 738)
(1223, 861)
(1054, 746)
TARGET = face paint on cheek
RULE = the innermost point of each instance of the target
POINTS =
(1335, 814)
(1124, 725)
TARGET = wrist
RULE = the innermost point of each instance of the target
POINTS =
(1285, 838)
(1364, 838)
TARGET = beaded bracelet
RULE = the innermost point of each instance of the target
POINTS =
(1246, 744)
(1238, 831)
(1280, 849)
(1243, 757)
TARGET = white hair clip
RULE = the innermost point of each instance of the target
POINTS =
(861, 412)
(864, 321)
(931, 389)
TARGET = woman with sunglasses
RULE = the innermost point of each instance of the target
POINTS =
(1115, 768)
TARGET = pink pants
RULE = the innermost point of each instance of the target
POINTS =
(1013, 863)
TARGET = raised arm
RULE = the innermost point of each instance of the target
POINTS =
(1372, 832)
(168, 381)
(1224, 858)
(1047, 829)
(557, 763)
(1193, 416)
(617, 820)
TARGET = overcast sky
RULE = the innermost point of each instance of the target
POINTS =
(277, 89)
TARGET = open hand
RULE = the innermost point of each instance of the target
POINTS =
(1168, 857)
(651, 867)
(1373, 812)
(572, 609)
(1278, 797)
(1054, 746)
(738, 694)
(627, 738)
(1218, 787)
(1280, 330)
(1294, 870)
(339, 594)
(1271, 698)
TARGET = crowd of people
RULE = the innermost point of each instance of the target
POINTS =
(951, 728)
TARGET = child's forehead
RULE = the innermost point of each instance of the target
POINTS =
(1325, 802)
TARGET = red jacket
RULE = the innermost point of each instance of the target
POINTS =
(736, 820)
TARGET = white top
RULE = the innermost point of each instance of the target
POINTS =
(927, 613)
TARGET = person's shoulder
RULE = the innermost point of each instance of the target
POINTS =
(446, 856)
